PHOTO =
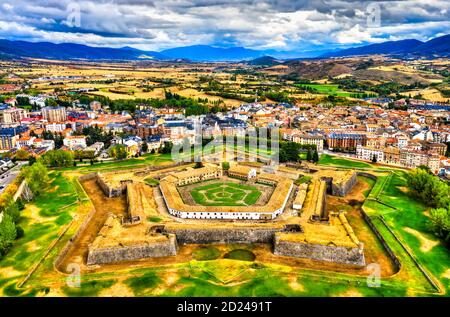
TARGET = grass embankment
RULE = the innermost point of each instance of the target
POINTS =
(407, 219)
(142, 161)
(42, 221)
(326, 159)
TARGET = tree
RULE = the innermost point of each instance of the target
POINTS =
(429, 189)
(308, 155)
(36, 177)
(225, 166)
(12, 208)
(118, 151)
(31, 160)
(23, 101)
(425, 168)
(22, 155)
(440, 223)
(290, 151)
(8, 234)
(144, 147)
(198, 165)
(167, 148)
(57, 158)
(51, 102)
(374, 158)
(315, 156)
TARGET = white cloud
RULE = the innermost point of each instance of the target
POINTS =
(278, 24)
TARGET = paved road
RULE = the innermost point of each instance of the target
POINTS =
(9, 176)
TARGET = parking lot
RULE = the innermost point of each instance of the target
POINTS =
(9, 176)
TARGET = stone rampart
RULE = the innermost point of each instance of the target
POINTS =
(224, 235)
(133, 252)
(329, 253)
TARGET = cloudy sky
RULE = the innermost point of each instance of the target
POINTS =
(285, 25)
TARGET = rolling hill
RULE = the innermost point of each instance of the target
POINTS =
(265, 61)
(64, 51)
(439, 46)
(210, 53)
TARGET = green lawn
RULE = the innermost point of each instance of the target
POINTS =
(143, 161)
(241, 255)
(407, 219)
(369, 181)
(206, 253)
(42, 221)
(326, 159)
(225, 194)
(151, 181)
(302, 179)
(330, 89)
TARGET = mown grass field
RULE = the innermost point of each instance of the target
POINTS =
(330, 89)
(326, 159)
(225, 194)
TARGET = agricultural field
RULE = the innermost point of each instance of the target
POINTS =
(329, 89)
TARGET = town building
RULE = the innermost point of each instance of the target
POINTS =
(303, 139)
(196, 175)
(12, 115)
(242, 172)
(346, 141)
(75, 142)
(54, 114)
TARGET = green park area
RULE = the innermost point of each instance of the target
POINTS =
(404, 222)
(330, 89)
(326, 159)
(225, 194)
(44, 222)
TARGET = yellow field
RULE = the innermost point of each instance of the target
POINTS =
(427, 93)
(409, 70)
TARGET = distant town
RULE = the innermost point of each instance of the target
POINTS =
(416, 136)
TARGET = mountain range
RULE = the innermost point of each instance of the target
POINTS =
(437, 47)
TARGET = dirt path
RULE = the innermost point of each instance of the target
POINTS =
(374, 251)
(103, 206)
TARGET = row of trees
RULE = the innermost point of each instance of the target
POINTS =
(192, 106)
(36, 176)
(57, 158)
(291, 152)
(434, 193)
(96, 134)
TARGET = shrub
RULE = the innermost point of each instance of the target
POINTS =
(8, 234)
(20, 232)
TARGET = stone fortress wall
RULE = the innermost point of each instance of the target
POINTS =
(162, 248)
(224, 234)
(111, 190)
(287, 239)
(342, 185)
(329, 253)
